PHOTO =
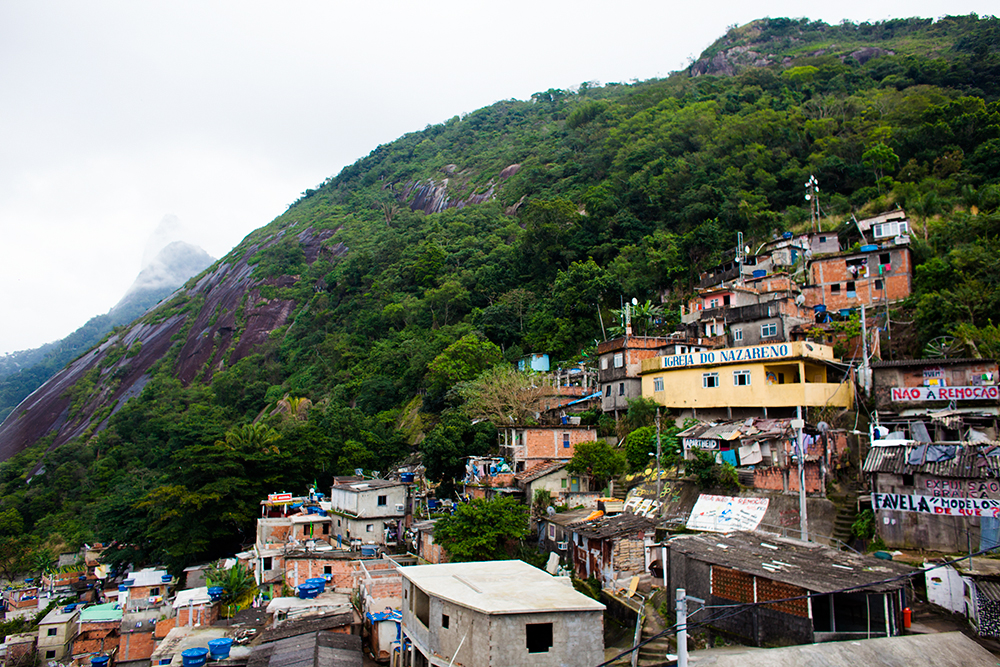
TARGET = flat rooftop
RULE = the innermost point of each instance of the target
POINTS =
(499, 587)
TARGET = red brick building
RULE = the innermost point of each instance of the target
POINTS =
(526, 446)
(870, 277)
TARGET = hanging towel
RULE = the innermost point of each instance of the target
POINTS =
(729, 456)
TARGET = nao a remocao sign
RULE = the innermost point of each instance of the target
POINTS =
(936, 505)
(902, 394)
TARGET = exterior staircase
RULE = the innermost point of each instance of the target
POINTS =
(655, 652)
(846, 501)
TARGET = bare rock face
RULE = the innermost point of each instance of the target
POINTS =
(231, 320)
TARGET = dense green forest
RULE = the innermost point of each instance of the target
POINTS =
(620, 191)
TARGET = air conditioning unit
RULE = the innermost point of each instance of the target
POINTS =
(400, 507)
(562, 546)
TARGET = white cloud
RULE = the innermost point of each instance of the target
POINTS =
(119, 113)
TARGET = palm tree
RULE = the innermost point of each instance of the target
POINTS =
(238, 587)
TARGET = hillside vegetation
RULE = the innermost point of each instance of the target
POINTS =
(516, 228)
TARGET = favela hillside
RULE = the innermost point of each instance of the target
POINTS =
(563, 372)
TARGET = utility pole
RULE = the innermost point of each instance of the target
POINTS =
(865, 373)
(682, 631)
(681, 608)
(798, 424)
(658, 482)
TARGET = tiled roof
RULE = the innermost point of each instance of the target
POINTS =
(806, 564)
(537, 471)
(613, 526)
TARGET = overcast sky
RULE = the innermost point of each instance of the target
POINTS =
(126, 125)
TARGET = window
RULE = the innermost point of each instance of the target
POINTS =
(822, 239)
(445, 621)
(769, 330)
(267, 562)
(851, 290)
(326, 529)
(835, 288)
(49, 655)
(725, 300)
(565, 437)
(154, 591)
(52, 632)
(562, 483)
(421, 606)
(885, 258)
(607, 390)
(604, 363)
(382, 500)
(552, 530)
(737, 335)
(878, 284)
(370, 528)
(538, 637)
(741, 378)
(710, 380)
(621, 388)
(657, 384)
(619, 359)
(327, 569)
(714, 303)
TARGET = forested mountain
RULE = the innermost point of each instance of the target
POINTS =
(25, 371)
(330, 338)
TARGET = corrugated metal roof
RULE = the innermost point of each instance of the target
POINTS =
(989, 589)
(927, 362)
(970, 462)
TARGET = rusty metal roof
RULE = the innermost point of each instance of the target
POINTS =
(970, 462)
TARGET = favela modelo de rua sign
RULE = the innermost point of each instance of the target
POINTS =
(903, 502)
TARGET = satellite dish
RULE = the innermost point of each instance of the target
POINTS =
(550, 510)
(635, 301)
(800, 299)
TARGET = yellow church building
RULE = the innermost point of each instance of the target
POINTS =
(748, 380)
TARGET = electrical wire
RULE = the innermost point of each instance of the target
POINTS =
(740, 607)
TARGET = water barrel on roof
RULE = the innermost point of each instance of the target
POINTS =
(871, 247)
(128, 582)
(215, 593)
(787, 235)
(100, 661)
(406, 477)
(166, 579)
(194, 657)
(759, 273)
(369, 551)
(317, 581)
(308, 591)
(219, 648)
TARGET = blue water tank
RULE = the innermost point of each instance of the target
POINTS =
(369, 550)
(215, 593)
(819, 308)
(869, 248)
(166, 579)
(317, 581)
(122, 588)
(787, 235)
(219, 648)
(308, 591)
(129, 582)
(759, 273)
(845, 312)
(194, 657)
(69, 608)
(406, 477)
(100, 660)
